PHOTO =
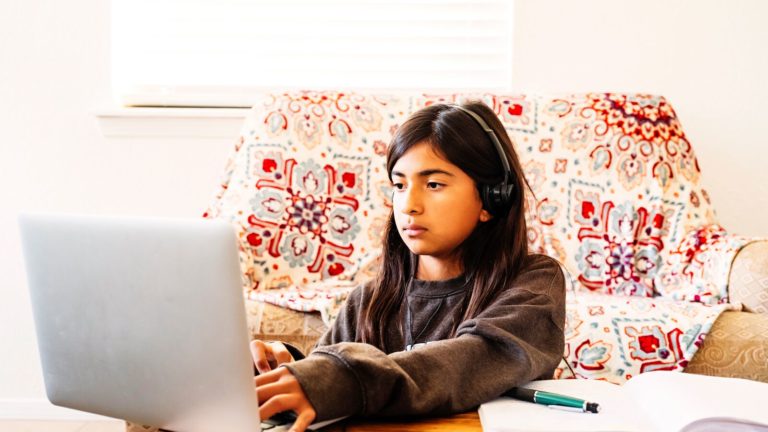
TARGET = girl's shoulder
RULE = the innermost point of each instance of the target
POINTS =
(541, 273)
(360, 293)
(537, 261)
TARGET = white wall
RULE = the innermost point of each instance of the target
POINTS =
(53, 156)
(707, 56)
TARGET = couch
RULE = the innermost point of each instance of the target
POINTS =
(656, 281)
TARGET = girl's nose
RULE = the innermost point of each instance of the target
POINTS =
(411, 202)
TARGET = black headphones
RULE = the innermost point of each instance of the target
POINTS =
(496, 198)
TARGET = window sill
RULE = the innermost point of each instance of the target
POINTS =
(171, 122)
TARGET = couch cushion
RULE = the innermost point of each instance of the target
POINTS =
(614, 338)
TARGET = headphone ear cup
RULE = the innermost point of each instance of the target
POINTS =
(497, 197)
(486, 197)
(492, 199)
(507, 197)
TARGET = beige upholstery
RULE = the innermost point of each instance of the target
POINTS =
(748, 281)
(736, 346)
(269, 322)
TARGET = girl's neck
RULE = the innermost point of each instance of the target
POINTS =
(434, 269)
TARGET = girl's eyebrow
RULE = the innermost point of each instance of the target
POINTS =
(424, 173)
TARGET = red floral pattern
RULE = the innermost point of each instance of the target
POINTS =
(614, 176)
(303, 187)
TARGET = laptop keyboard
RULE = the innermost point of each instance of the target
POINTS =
(279, 421)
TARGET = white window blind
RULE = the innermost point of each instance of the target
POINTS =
(220, 53)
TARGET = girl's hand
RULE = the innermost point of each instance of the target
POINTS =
(279, 391)
(269, 355)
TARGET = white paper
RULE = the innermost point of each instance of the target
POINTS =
(654, 401)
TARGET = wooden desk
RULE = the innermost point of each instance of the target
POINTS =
(467, 422)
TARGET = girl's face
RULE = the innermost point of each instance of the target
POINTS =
(436, 204)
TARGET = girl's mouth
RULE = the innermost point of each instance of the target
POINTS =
(414, 230)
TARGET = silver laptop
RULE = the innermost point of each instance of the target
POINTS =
(142, 319)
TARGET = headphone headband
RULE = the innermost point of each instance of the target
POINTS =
(494, 139)
(495, 197)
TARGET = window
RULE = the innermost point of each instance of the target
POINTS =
(220, 53)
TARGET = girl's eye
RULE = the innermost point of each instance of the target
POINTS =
(397, 186)
(434, 185)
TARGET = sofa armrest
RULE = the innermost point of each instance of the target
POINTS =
(748, 281)
(736, 347)
(699, 268)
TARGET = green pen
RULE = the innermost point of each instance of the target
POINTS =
(552, 399)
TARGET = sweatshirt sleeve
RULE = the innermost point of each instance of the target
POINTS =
(517, 338)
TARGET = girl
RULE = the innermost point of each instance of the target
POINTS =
(459, 312)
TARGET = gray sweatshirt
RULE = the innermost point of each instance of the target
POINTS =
(516, 339)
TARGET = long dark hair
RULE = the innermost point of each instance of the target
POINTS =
(493, 253)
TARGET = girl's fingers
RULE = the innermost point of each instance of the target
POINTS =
(280, 353)
(304, 419)
(267, 377)
(278, 391)
(259, 354)
(266, 392)
(276, 404)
